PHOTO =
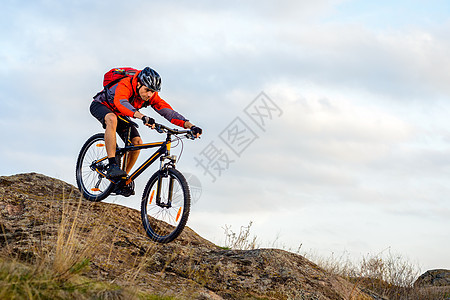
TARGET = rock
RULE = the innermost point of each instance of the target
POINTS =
(438, 277)
(45, 218)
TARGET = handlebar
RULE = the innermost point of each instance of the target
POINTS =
(163, 129)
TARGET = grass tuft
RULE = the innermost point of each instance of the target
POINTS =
(387, 274)
(56, 264)
(241, 240)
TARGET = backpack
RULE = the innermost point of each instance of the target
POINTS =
(113, 76)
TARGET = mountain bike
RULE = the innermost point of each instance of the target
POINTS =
(166, 198)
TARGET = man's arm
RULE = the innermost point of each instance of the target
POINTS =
(164, 109)
(188, 125)
(123, 92)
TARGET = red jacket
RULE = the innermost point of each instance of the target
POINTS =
(127, 101)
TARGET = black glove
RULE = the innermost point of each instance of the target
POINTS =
(148, 120)
(196, 130)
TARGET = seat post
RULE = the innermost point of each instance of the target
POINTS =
(127, 142)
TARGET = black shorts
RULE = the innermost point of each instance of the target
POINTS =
(99, 111)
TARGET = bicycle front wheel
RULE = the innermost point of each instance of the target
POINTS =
(91, 160)
(164, 214)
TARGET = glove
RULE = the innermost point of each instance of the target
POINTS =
(148, 120)
(196, 130)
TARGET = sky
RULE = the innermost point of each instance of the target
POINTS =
(325, 123)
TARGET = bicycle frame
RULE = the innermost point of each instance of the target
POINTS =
(166, 198)
(162, 152)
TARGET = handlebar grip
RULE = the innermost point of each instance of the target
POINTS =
(190, 135)
(158, 128)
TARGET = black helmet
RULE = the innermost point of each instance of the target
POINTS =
(150, 78)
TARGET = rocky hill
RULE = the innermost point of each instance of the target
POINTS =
(43, 216)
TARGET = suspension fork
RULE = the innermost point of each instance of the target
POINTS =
(169, 201)
(170, 191)
(164, 172)
(158, 189)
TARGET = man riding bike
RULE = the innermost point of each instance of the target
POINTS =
(129, 96)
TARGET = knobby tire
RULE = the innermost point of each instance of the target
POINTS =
(93, 150)
(163, 224)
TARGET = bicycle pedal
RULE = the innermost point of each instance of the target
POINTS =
(125, 192)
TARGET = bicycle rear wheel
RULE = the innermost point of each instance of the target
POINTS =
(165, 218)
(94, 186)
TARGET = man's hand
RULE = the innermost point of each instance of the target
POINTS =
(150, 122)
(196, 131)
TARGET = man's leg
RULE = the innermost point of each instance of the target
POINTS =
(133, 156)
(110, 141)
(109, 121)
(110, 134)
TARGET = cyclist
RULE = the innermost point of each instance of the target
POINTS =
(129, 96)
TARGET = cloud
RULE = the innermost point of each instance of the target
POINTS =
(400, 65)
(312, 151)
(364, 127)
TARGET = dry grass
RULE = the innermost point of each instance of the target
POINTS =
(241, 240)
(387, 274)
(72, 253)
(59, 262)
(54, 268)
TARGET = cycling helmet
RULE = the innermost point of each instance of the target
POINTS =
(150, 78)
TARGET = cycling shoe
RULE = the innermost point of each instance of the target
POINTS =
(113, 171)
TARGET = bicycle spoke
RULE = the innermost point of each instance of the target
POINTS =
(91, 183)
(164, 221)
